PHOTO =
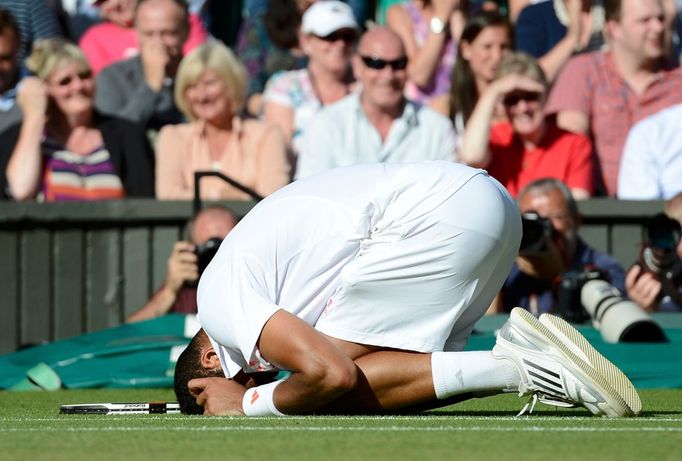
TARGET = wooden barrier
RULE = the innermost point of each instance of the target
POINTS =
(72, 268)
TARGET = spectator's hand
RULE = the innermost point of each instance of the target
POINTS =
(218, 396)
(642, 288)
(32, 97)
(547, 265)
(515, 82)
(182, 266)
(155, 59)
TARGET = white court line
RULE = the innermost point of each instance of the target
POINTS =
(425, 418)
(341, 429)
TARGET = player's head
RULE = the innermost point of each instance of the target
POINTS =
(198, 360)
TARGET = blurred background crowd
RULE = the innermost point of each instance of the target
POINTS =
(560, 100)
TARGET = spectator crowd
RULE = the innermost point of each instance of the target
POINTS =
(107, 99)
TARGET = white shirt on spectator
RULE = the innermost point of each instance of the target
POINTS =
(651, 166)
(341, 135)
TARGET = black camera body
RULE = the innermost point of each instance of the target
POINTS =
(206, 251)
(568, 293)
(659, 255)
(536, 231)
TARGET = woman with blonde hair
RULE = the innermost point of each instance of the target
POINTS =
(210, 89)
(63, 149)
(528, 145)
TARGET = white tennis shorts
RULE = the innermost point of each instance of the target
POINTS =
(422, 281)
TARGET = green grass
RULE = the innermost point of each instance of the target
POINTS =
(481, 429)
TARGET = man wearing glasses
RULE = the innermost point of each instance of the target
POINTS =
(376, 124)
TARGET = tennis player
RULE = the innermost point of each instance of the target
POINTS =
(364, 283)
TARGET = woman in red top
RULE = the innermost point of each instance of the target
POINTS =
(528, 145)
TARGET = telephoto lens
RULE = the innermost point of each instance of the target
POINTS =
(616, 318)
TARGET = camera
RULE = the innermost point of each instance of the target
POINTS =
(659, 254)
(536, 231)
(206, 251)
(588, 295)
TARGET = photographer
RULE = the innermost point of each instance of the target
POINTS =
(178, 292)
(644, 286)
(536, 271)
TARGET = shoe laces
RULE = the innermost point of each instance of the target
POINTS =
(546, 399)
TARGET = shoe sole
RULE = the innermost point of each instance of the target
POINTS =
(613, 375)
(616, 404)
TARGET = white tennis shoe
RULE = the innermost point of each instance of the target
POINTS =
(559, 367)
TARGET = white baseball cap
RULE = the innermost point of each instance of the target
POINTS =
(326, 16)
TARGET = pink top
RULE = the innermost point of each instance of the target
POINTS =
(440, 83)
(255, 156)
(106, 43)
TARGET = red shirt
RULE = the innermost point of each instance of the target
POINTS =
(590, 83)
(561, 155)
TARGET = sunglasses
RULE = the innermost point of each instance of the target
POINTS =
(66, 81)
(515, 97)
(346, 36)
(378, 63)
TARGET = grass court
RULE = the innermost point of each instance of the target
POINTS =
(31, 428)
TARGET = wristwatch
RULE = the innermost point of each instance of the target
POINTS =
(436, 25)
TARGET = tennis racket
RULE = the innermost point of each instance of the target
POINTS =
(120, 408)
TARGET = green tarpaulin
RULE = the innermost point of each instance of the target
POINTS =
(143, 354)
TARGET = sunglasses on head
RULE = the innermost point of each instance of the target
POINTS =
(346, 36)
(378, 63)
(515, 97)
(66, 81)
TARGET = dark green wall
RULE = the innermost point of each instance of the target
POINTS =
(71, 268)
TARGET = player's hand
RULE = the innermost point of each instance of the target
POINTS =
(642, 288)
(182, 266)
(218, 396)
(32, 97)
(155, 59)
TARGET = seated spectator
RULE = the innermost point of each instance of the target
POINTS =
(210, 91)
(140, 89)
(116, 38)
(553, 31)
(429, 30)
(292, 98)
(9, 71)
(178, 292)
(646, 288)
(603, 93)
(64, 149)
(486, 40)
(651, 168)
(532, 279)
(268, 43)
(378, 124)
(529, 145)
(36, 21)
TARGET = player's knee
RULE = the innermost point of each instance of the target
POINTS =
(333, 378)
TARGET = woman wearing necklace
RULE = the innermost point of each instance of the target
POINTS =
(328, 33)
(210, 90)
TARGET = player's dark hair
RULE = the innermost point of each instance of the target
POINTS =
(189, 367)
